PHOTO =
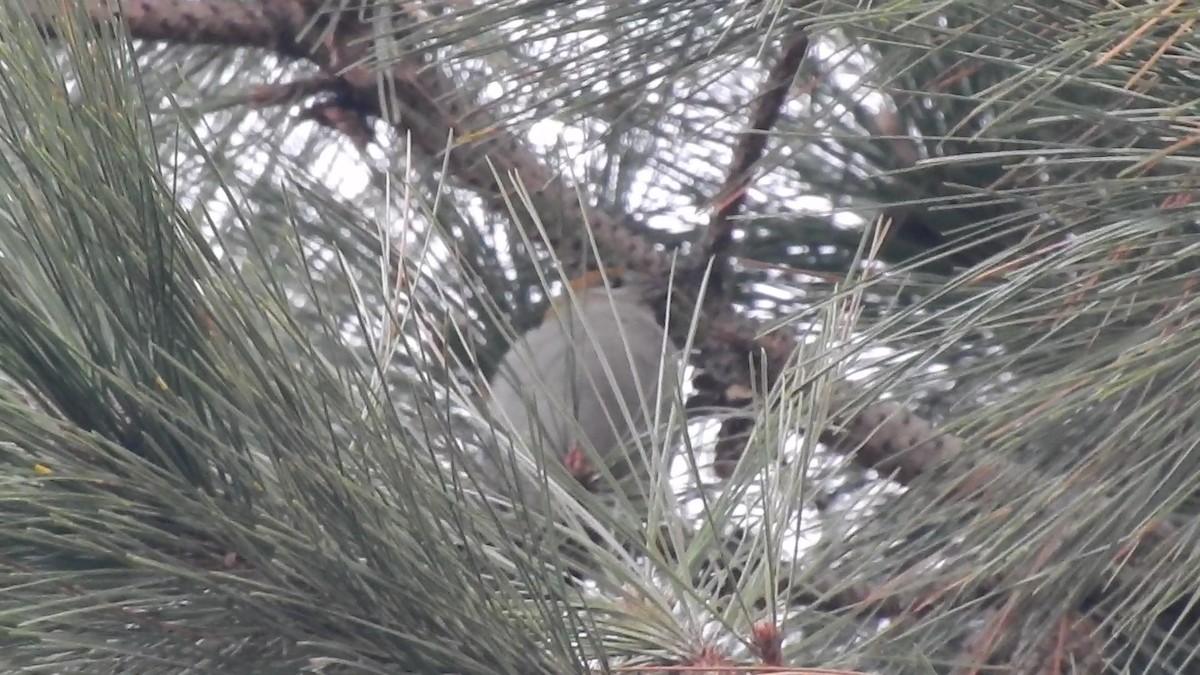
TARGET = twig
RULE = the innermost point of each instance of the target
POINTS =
(343, 116)
(717, 237)
(338, 111)
(747, 153)
(281, 93)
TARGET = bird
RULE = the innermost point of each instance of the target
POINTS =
(584, 391)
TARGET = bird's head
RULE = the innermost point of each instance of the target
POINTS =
(618, 281)
(596, 279)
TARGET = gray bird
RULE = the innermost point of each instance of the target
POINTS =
(584, 391)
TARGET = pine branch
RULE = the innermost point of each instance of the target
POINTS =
(480, 154)
(748, 152)
(427, 106)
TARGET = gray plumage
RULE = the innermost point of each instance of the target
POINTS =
(588, 377)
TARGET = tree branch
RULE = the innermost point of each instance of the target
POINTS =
(748, 152)
(224, 23)
(284, 93)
